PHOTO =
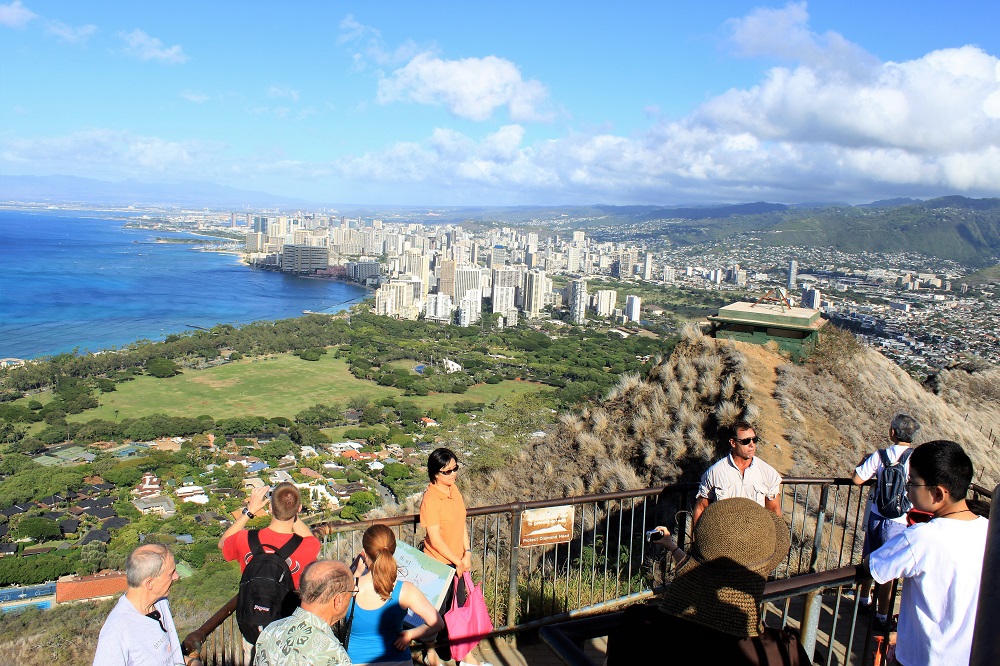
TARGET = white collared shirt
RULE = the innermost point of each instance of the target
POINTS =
(723, 480)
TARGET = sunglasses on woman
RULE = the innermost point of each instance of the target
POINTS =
(449, 472)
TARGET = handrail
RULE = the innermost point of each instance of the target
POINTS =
(393, 521)
(194, 640)
(778, 589)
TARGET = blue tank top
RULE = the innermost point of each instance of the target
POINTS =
(373, 632)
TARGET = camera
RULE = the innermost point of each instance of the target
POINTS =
(653, 535)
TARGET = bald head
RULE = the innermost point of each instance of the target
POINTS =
(323, 580)
(145, 562)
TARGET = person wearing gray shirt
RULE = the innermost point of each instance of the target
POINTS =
(140, 629)
(740, 474)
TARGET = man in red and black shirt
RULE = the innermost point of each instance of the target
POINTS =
(286, 502)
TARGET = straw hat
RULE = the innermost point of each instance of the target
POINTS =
(721, 583)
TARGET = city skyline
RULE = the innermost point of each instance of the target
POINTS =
(643, 103)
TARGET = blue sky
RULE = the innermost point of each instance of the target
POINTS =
(460, 103)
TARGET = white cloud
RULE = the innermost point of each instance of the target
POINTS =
(105, 153)
(277, 91)
(194, 96)
(472, 88)
(15, 15)
(140, 45)
(369, 47)
(69, 33)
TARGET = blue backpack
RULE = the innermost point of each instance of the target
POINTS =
(890, 487)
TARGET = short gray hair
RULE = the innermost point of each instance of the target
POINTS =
(905, 427)
(146, 561)
(322, 580)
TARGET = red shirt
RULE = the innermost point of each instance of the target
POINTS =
(237, 547)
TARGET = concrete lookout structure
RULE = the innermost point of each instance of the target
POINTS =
(795, 330)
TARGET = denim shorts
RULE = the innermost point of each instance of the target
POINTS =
(878, 531)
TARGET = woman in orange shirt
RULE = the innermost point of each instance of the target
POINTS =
(442, 515)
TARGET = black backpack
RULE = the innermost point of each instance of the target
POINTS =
(890, 488)
(267, 592)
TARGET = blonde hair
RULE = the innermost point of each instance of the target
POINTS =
(379, 544)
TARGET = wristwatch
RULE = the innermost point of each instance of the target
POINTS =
(246, 512)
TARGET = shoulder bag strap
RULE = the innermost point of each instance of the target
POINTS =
(253, 539)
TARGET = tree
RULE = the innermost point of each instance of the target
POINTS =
(37, 528)
(162, 367)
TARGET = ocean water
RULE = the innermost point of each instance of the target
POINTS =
(78, 280)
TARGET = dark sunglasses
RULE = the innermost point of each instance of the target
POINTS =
(155, 614)
(451, 471)
(748, 440)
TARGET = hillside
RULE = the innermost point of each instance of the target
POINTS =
(957, 228)
(816, 419)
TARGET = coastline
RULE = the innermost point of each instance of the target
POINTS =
(112, 292)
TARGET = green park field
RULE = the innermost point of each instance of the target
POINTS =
(279, 385)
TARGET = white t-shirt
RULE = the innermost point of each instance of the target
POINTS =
(872, 466)
(941, 563)
(130, 638)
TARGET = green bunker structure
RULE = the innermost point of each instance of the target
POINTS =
(795, 330)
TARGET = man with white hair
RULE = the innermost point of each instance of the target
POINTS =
(140, 628)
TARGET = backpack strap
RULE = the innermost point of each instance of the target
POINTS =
(883, 454)
(253, 540)
(290, 546)
(906, 456)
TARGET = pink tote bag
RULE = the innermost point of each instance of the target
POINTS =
(468, 624)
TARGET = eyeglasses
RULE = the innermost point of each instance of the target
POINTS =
(451, 471)
(910, 484)
(748, 440)
(155, 615)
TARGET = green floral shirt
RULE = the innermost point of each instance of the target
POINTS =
(301, 639)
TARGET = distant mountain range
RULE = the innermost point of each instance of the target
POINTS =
(952, 227)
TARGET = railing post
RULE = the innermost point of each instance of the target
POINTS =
(515, 548)
(986, 636)
(814, 600)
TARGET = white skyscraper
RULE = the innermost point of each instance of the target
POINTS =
(669, 274)
(605, 301)
(811, 298)
(578, 301)
(536, 284)
(632, 308)
(793, 273)
(647, 267)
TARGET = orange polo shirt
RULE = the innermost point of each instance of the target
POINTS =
(436, 508)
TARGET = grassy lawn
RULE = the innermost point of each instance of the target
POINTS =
(280, 385)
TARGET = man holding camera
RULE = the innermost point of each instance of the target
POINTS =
(285, 504)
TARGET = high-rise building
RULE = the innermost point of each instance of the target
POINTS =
(579, 236)
(395, 299)
(503, 299)
(573, 259)
(669, 274)
(632, 307)
(304, 258)
(446, 278)
(466, 279)
(811, 298)
(470, 308)
(605, 301)
(439, 308)
(793, 273)
(647, 267)
(536, 284)
(578, 301)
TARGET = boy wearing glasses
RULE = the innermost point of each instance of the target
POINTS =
(740, 474)
(940, 561)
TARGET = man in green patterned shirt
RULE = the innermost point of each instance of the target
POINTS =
(306, 638)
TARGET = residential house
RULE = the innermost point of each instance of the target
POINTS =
(102, 585)
(157, 504)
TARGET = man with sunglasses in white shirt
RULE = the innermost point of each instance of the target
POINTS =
(740, 474)
(140, 628)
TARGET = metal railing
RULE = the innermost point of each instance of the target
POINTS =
(607, 563)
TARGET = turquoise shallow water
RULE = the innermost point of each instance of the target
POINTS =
(72, 279)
